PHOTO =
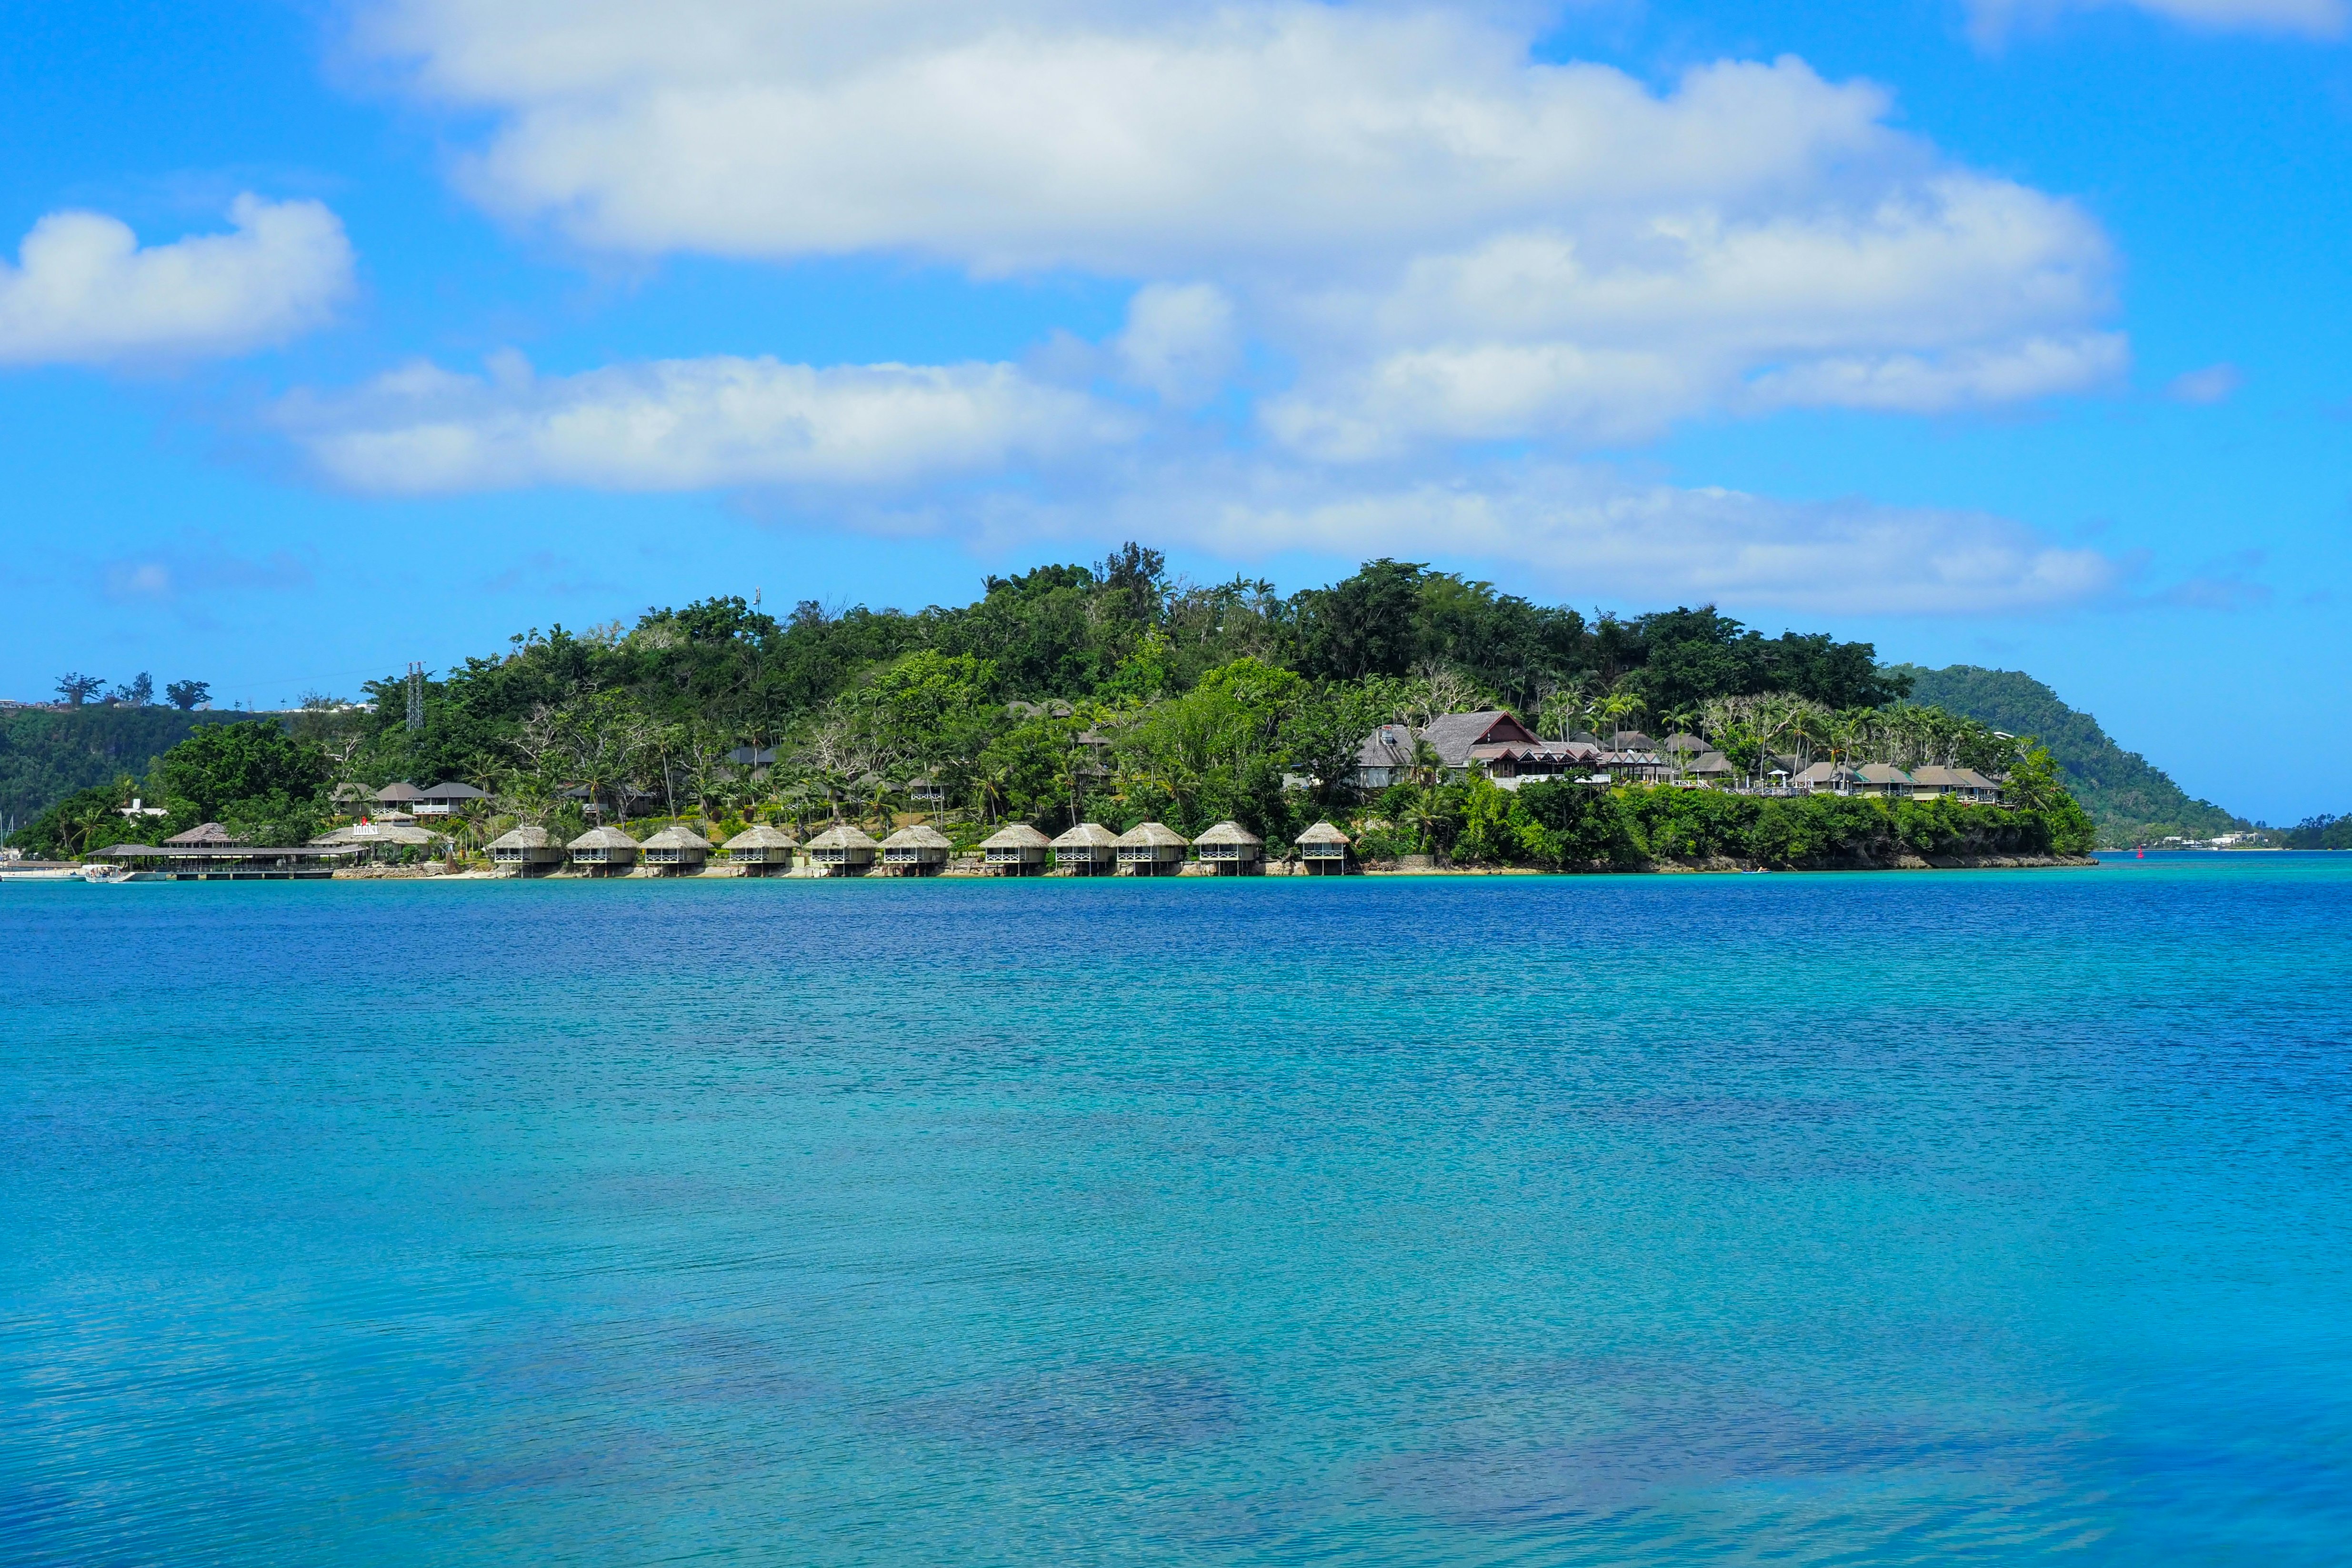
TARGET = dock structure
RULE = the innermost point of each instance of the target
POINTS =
(762, 851)
(1325, 851)
(676, 851)
(1018, 850)
(842, 850)
(1231, 850)
(918, 850)
(1088, 849)
(602, 852)
(526, 852)
(229, 862)
(1151, 849)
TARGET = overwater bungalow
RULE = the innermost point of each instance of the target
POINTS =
(1017, 850)
(1151, 849)
(527, 852)
(916, 851)
(762, 851)
(842, 850)
(676, 851)
(602, 852)
(446, 799)
(1231, 850)
(1325, 851)
(1088, 849)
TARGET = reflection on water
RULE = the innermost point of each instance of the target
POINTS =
(1990, 1218)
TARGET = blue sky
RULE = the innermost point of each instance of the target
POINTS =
(341, 336)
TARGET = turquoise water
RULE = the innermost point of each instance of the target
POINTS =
(1978, 1218)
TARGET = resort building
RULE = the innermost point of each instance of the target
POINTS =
(842, 850)
(1682, 744)
(1325, 851)
(762, 851)
(1882, 781)
(1018, 850)
(1712, 767)
(203, 836)
(916, 851)
(526, 852)
(223, 860)
(399, 796)
(1385, 757)
(1231, 850)
(1492, 741)
(1151, 849)
(1965, 785)
(443, 799)
(676, 851)
(1088, 849)
(374, 841)
(1633, 766)
(1824, 778)
(602, 852)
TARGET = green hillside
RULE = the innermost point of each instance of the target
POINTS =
(46, 755)
(2129, 798)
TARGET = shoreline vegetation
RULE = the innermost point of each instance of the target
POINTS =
(1119, 695)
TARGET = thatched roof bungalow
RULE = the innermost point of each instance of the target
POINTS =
(1231, 850)
(1325, 851)
(373, 840)
(762, 851)
(676, 851)
(842, 850)
(1017, 850)
(916, 851)
(602, 852)
(1088, 849)
(529, 852)
(1151, 849)
(203, 836)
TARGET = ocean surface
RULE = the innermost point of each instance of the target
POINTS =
(1932, 1217)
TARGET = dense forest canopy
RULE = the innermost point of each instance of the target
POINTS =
(1114, 690)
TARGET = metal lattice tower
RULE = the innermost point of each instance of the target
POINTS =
(416, 698)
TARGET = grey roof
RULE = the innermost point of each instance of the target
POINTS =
(451, 790)
(763, 837)
(1015, 836)
(1086, 836)
(843, 836)
(1824, 773)
(918, 837)
(1453, 734)
(523, 839)
(1228, 832)
(674, 837)
(1974, 779)
(603, 839)
(1631, 740)
(1937, 776)
(1881, 773)
(380, 833)
(399, 792)
(1713, 762)
(1152, 833)
(202, 833)
(1391, 745)
(1323, 833)
(1682, 740)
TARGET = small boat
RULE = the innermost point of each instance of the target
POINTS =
(94, 871)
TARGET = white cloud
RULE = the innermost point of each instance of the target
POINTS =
(690, 425)
(1580, 530)
(1179, 340)
(2214, 384)
(83, 292)
(1447, 238)
(1994, 19)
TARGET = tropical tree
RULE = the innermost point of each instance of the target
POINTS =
(188, 696)
(77, 688)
